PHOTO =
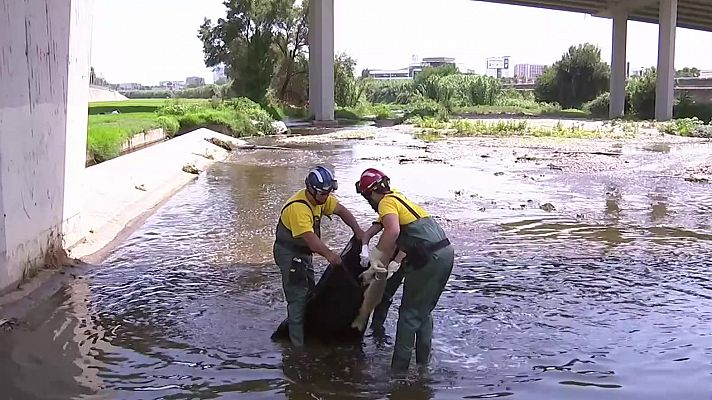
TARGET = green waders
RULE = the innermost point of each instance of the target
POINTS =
(425, 270)
(294, 259)
(421, 291)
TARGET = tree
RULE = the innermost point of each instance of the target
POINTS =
(687, 73)
(579, 76)
(244, 41)
(291, 44)
(347, 92)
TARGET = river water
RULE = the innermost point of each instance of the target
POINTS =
(607, 296)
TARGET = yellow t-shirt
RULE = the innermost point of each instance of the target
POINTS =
(299, 219)
(391, 205)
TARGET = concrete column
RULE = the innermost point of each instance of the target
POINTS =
(77, 118)
(666, 60)
(44, 64)
(321, 60)
(618, 64)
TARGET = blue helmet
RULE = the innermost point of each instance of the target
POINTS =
(320, 179)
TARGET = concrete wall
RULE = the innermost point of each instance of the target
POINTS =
(44, 68)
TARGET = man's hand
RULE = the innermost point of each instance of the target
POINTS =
(376, 258)
(334, 259)
(361, 236)
(374, 272)
(317, 246)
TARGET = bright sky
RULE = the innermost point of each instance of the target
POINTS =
(150, 41)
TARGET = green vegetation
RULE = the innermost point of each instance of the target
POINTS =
(435, 130)
(263, 46)
(108, 132)
(692, 127)
(134, 106)
(579, 76)
(202, 92)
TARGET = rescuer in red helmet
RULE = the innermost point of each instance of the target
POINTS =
(429, 256)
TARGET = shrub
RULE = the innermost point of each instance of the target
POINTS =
(169, 124)
(598, 107)
(393, 92)
(579, 76)
(427, 108)
(382, 111)
(641, 92)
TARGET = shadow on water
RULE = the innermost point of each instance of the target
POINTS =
(607, 296)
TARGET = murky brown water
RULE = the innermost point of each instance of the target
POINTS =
(608, 296)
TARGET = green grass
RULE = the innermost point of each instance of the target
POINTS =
(135, 106)
(538, 111)
(435, 130)
(108, 132)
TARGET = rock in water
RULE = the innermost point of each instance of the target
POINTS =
(190, 168)
(547, 207)
(334, 302)
(279, 127)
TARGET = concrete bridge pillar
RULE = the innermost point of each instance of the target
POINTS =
(44, 76)
(666, 60)
(618, 64)
(321, 60)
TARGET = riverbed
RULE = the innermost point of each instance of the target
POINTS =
(582, 271)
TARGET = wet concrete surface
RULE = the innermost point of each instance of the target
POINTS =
(586, 281)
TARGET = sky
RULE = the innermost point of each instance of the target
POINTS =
(150, 41)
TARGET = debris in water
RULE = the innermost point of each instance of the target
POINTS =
(220, 143)
(696, 179)
(525, 158)
(498, 173)
(8, 324)
(556, 167)
(547, 207)
(191, 169)
(141, 187)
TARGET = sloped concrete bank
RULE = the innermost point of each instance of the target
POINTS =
(118, 195)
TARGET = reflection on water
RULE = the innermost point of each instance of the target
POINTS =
(605, 297)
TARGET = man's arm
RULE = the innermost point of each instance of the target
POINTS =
(371, 232)
(317, 246)
(349, 220)
(387, 243)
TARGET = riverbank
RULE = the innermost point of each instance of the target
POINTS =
(119, 195)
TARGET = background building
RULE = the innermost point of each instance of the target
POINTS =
(410, 71)
(528, 72)
(194, 81)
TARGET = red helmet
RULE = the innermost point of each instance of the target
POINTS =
(372, 180)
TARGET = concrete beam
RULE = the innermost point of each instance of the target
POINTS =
(618, 64)
(44, 71)
(666, 60)
(321, 60)
(628, 6)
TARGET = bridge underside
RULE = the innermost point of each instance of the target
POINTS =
(691, 14)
